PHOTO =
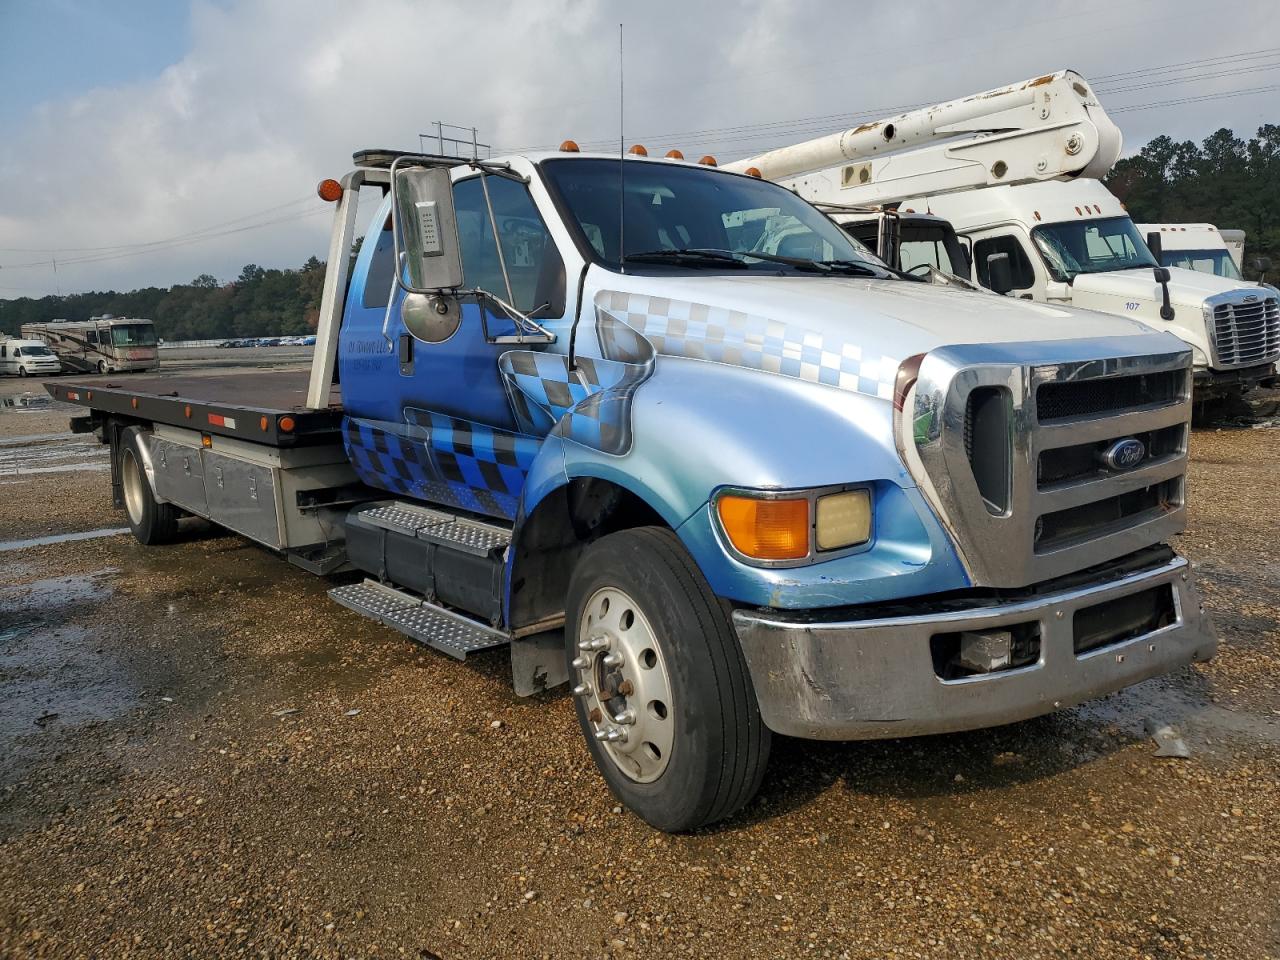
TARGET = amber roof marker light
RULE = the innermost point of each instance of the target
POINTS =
(330, 190)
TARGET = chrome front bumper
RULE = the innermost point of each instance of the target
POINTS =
(875, 678)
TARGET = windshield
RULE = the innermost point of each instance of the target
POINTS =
(133, 335)
(35, 352)
(1091, 246)
(671, 207)
(1206, 261)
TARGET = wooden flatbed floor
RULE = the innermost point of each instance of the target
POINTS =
(261, 406)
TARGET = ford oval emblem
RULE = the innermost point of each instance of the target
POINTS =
(1251, 298)
(1125, 454)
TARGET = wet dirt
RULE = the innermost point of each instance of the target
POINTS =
(167, 810)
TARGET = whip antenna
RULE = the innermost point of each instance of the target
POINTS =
(622, 182)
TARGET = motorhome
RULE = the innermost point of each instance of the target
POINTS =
(104, 344)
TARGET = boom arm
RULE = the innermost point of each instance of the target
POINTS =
(1046, 128)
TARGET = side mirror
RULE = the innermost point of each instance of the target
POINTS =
(999, 273)
(1260, 266)
(1162, 278)
(890, 240)
(426, 229)
(1155, 245)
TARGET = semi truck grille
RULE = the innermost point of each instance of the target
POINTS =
(1246, 333)
(1035, 467)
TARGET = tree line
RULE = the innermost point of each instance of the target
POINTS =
(260, 302)
(1225, 180)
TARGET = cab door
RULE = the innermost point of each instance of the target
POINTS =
(428, 415)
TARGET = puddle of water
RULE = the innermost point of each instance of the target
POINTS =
(26, 401)
(44, 597)
(6, 545)
(57, 677)
(1190, 711)
(45, 438)
(66, 454)
(53, 673)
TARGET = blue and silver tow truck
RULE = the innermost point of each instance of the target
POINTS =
(560, 404)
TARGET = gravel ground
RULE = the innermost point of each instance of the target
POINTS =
(200, 755)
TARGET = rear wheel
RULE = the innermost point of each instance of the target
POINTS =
(152, 522)
(662, 693)
(102, 366)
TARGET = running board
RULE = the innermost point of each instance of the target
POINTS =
(435, 526)
(447, 631)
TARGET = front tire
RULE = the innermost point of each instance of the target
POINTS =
(22, 372)
(662, 692)
(102, 367)
(152, 522)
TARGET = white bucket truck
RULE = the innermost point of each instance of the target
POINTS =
(1015, 170)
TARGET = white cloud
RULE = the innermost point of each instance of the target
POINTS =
(271, 97)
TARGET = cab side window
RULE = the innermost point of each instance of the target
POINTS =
(1024, 277)
(377, 283)
(533, 262)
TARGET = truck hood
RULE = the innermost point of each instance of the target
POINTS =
(846, 332)
(1186, 287)
(1135, 293)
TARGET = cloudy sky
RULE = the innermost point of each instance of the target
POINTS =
(150, 141)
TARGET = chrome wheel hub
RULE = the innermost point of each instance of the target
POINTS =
(621, 677)
(131, 480)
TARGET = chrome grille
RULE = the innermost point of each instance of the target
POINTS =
(1244, 328)
(1065, 510)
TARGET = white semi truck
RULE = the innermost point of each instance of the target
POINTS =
(1015, 170)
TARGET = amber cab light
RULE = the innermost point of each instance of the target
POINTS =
(330, 191)
(766, 529)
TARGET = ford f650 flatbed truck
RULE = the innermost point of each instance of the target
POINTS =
(721, 493)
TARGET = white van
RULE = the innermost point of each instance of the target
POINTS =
(27, 358)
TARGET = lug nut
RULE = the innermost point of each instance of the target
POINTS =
(611, 735)
(612, 660)
(626, 717)
(626, 688)
(581, 663)
(582, 690)
(599, 642)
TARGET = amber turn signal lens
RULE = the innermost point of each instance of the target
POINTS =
(285, 424)
(330, 191)
(766, 529)
(568, 146)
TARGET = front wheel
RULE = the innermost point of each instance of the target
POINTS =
(102, 367)
(152, 522)
(662, 692)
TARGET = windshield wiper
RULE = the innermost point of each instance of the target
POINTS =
(690, 258)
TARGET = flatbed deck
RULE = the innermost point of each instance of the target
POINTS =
(260, 406)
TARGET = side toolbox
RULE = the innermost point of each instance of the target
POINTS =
(265, 493)
(179, 473)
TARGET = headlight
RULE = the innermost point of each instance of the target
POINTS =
(844, 519)
(795, 526)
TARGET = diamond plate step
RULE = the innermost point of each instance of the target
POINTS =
(458, 533)
(425, 622)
